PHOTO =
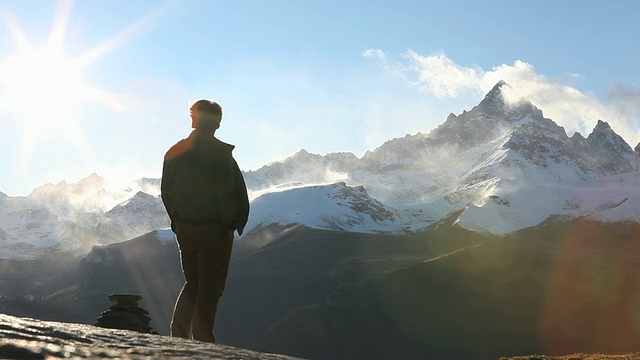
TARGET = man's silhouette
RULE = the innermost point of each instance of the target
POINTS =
(206, 198)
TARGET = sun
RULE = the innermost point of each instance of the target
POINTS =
(42, 87)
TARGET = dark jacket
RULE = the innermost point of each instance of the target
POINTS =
(202, 184)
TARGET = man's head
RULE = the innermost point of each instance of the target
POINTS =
(206, 115)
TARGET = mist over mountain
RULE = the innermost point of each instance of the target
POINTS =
(74, 217)
(502, 165)
(493, 234)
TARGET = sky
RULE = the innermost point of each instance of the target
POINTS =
(104, 86)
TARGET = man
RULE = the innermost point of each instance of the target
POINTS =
(206, 199)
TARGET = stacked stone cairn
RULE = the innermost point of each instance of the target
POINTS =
(125, 314)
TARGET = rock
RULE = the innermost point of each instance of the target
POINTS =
(24, 338)
(125, 299)
(125, 314)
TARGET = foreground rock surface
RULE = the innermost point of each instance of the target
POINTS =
(577, 357)
(24, 338)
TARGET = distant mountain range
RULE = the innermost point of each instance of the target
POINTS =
(501, 166)
(495, 234)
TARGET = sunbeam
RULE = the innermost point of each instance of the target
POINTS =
(43, 87)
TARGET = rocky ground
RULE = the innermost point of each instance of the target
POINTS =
(578, 357)
(24, 338)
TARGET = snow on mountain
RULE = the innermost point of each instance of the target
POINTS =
(75, 216)
(135, 216)
(609, 151)
(612, 198)
(502, 166)
(503, 163)
(335, 206)
(304, 167)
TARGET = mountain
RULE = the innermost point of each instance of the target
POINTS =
(72, 217)
(555, 289)
(304, 167)
(493, 235)
(334, 206)
(444, 292)
(60, 287)
(501, 166)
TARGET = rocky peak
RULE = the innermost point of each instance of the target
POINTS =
(302, 153)
(604, 137)
(577, 137)
(85, 190)
(636, 150)
(578, 142)
(609, 150)
(141, 197)
(602, 126)
(495, 98)
(302, 157)
(93, 180)
(141, 202)
(496, 104)
(342, 161)
(148, 185)
(491, 118)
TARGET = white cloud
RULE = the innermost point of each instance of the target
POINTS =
(375, 53)
(438, 75)
(442, 78)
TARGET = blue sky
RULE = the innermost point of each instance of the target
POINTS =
(326, 76)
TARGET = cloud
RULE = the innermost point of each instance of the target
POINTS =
(375, 53)
(440, 77)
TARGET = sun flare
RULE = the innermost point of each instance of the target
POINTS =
(42, 86)
(44, 92)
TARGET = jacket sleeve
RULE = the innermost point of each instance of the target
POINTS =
(167, 190)
(242, 199)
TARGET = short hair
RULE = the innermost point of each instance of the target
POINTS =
(208, 115)
(207, 107)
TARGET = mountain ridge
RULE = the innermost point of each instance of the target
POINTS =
(502, 165)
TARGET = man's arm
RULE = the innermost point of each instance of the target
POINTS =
(166, 189)
(241, 198)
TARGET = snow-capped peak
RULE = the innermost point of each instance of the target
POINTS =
(495, 99)
(489, 161)
(603, 134)
(609, 151)
(502, 165)
(490, 119)
(333, 206)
